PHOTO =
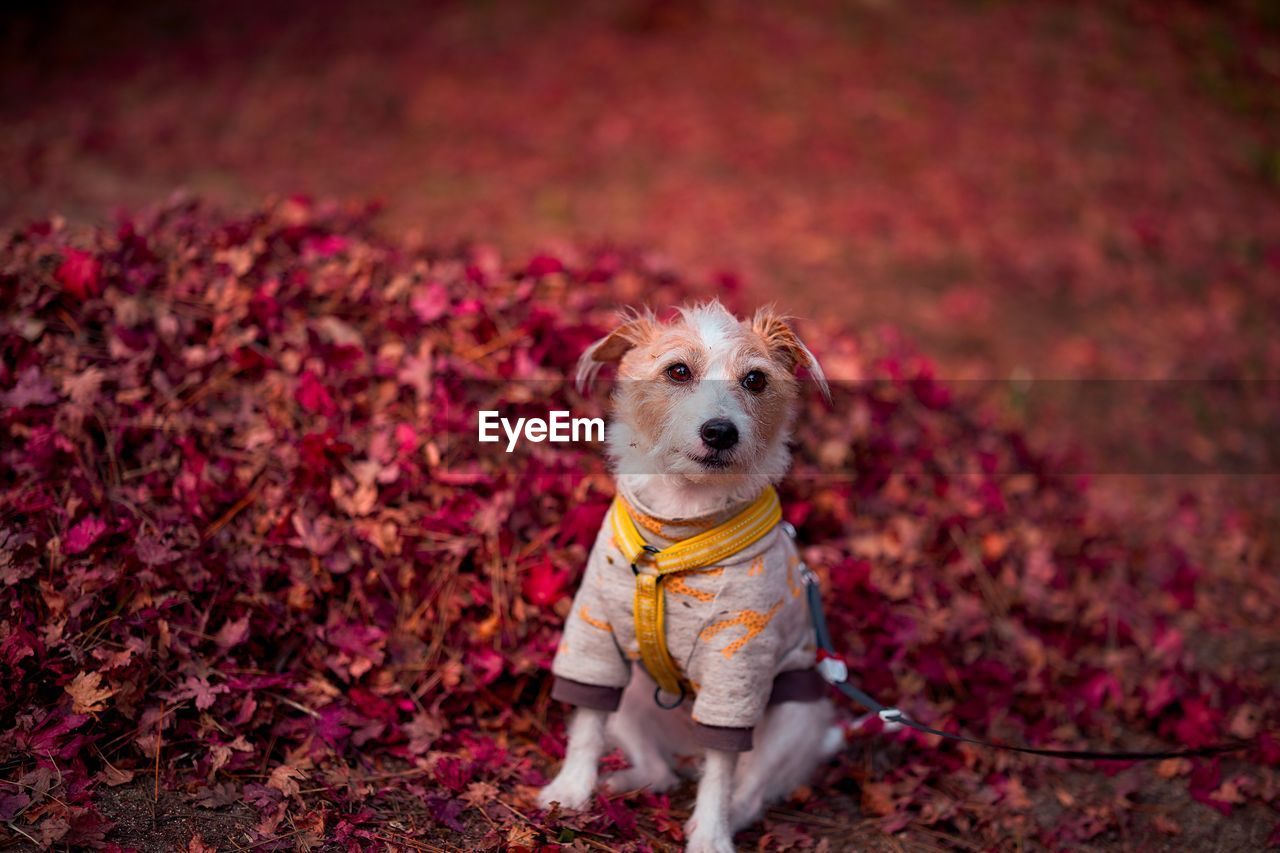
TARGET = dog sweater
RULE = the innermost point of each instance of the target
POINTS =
(739, 631)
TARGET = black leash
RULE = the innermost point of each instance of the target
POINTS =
(833, 668)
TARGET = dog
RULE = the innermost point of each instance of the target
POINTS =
(690, 634)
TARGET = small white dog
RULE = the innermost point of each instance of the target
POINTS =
(690, 633)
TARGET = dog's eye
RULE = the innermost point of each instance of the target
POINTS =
(755, 381)
(679, 372)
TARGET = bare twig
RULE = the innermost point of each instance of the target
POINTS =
(16, 829)
(159, 741)
(249, 497)
(991, 591)
(295, 705)
(263, 841)
(397, 838)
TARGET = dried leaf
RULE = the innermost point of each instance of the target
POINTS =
(88, 694)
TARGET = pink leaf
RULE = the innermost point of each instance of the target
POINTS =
(79, 274)
(543, 585)
(153, 551)
(234, 632)
(82, 536)
(541, 265)
(32, 390)
(430, 303)
(313, 396)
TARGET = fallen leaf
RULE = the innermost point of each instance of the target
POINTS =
(88, 695)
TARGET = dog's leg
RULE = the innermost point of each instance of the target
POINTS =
(648, 735)
(708, 828)
(576, 780)
(790, 743)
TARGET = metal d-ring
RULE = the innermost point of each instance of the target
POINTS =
(657, 699)
(648, 549)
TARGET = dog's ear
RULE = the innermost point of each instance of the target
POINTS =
(636, 328)
(786, 346)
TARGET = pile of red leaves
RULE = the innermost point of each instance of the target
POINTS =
(249, 545)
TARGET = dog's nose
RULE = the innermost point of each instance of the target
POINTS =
(719, 434)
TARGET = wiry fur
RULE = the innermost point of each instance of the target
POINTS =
(635, 327)
(653, 442)
(655, 424)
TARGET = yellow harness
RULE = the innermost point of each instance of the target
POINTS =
(696, 552)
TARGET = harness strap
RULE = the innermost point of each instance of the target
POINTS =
(705, 549)
(650, 613)
(696, 552)
(837, 676)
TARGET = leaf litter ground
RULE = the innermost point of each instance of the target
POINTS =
(260, 588)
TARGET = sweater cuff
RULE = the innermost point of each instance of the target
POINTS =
(723, 738)
(798, 685)
(586, 695)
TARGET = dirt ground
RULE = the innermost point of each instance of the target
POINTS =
(171, 822)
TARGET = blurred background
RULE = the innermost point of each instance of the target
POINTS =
(1040, 189)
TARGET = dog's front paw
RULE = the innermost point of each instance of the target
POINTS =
(713, 839)
(709, 842)
(571, 792)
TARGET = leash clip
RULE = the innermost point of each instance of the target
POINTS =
(832, 669)
(892, 718)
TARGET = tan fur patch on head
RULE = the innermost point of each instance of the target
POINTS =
(785, 346)
(636, 328)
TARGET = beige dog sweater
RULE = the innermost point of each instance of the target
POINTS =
(739, 630)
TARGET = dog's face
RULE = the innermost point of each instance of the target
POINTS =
(706, 397)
